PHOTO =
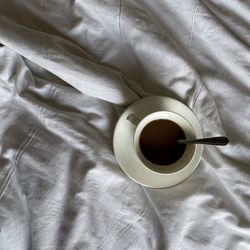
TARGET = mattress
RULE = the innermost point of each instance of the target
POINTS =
(68, 69)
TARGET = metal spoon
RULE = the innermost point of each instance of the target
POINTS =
(219, 141)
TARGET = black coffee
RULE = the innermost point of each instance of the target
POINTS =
(158, 142)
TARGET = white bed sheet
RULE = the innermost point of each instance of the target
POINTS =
(67, 71)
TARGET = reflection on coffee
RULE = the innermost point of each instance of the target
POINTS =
(159, 142)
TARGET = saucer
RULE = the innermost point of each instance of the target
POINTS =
(124, 148)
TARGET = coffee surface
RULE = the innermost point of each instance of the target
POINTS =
(158, 142)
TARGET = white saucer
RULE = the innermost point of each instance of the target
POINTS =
(124, 149)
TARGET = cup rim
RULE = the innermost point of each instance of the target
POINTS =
(188, 154)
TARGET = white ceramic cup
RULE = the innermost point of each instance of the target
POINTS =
(187, 128)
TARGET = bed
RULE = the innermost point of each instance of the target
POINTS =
(68, 69)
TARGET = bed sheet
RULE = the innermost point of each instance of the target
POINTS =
(68, 70)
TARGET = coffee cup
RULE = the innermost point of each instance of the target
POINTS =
(155, 141)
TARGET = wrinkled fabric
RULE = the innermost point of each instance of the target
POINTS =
(68, 69)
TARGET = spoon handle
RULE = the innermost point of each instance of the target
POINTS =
(219, 141)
